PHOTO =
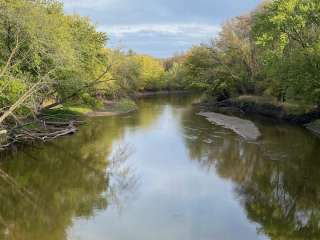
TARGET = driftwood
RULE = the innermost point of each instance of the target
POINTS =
(45, 131)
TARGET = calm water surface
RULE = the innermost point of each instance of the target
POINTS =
(164, 173)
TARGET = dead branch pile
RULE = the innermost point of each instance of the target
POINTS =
(39, 130)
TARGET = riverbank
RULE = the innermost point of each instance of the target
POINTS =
(295, 113)
(60, 121)
(291, 112)
(64, 120)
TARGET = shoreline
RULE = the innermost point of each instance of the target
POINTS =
(269, 109)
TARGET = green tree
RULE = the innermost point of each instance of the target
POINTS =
(288, 34)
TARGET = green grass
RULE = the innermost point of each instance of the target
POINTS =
(78, 109)
(67, 112)
(74, 111)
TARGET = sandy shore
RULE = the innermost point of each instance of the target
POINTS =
(244, 128)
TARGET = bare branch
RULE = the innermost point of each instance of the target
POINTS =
(20, 101)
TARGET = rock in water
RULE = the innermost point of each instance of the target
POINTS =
(244, 128)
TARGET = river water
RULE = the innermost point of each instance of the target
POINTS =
(164, 173)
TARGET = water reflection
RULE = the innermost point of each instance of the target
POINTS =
(42, 189)
(138, 177)
(123, 181)
(276, 179)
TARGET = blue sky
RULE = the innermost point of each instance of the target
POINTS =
(159, 27)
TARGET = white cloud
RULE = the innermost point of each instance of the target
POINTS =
(160, 40)
(192, 30)
(96, 4)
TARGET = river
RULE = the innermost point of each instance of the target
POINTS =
(164, 173)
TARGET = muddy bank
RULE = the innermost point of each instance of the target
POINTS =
(267, 109)
(242, 127)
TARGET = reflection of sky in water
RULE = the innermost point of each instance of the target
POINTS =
(175, 198)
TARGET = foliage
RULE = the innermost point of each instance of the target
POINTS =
(43, 47)
(133, 72)
(48, 56)
(126, 105)
(288, 34)
(273, 51)
(228, 66)
(176, 77)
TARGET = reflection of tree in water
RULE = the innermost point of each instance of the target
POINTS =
(122, 179)
(43, 189)
(277, 179)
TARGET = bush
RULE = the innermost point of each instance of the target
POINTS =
(126, 105)
(91, 101)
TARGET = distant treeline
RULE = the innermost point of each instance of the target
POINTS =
(273, 51)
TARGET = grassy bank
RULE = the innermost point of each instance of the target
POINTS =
(115, 107)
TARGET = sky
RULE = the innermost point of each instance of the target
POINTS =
(159, 27)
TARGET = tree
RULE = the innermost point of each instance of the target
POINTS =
(46, 55)
(288, 34)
